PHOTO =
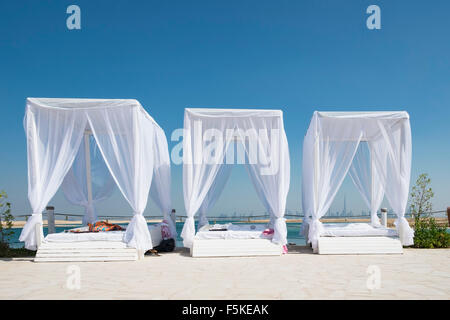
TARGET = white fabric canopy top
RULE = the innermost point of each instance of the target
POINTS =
(208, 155)
(374, 148)
(85, 145)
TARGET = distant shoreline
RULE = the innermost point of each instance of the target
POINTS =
(60, 223)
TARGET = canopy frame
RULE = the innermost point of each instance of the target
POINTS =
(55, 130)
(337, 140)
(239, 120)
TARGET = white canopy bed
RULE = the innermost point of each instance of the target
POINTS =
(87, 146)
(208, 156)
(374, 148)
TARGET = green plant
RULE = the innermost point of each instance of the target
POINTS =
(6, 219)
(6, 224)
(421, 195)
(7, 252)
(428, 234)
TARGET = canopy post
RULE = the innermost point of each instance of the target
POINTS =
(316, 181)
(384, 217)
(50, 219)
(372, 180)
(39, 232)
(87, 154)
(316, 172)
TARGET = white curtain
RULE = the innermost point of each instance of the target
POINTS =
(214, 193)
(272, 188)
(396, 155)
(208, 133)
(53, 139)
(160, 188)
(329, 148)
(366, 179)
(74, 185)
(125, 136)
(199, 175)
(326, 161)
(125, 140)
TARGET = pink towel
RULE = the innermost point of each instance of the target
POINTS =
(268, 232)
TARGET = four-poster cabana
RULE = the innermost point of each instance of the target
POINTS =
(132, 153)
(375, 149)
(208, 134)
(72, 142)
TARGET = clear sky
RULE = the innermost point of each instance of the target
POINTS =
(298, 56)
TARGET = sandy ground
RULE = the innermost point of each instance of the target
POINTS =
(417, 274)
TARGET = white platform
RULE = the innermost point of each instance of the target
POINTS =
(101, 246)
(85, 251)
(235, 248)
(360, 245)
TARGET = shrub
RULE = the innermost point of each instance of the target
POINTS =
(7, 252)
(6, 219)
(421, 195)
(6, 224)
(428, 234)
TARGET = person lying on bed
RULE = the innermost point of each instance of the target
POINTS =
(104, 226)
(98, 226)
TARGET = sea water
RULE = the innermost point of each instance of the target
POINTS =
(293, 235)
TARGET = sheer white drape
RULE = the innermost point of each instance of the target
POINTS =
(125, 140)
(272, 187)
(160, 188)
(199, 175)
(366, 179)
(396, 156)
(125, 135)
(75, 187)
(208, 134)
(214, 193)
(326, 162)
(53, 140)
(330, 147)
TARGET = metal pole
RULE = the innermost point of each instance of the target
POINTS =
(50, 219)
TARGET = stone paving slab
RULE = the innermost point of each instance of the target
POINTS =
(417, 274)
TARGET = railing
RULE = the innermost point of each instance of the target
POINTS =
(80, 216)
(51, 223)
(182, 218)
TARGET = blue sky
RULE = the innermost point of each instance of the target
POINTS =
(298, 56)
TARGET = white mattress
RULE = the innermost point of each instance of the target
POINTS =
(356, 230)
(155, 233)
(235, 231)
(91, 236)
